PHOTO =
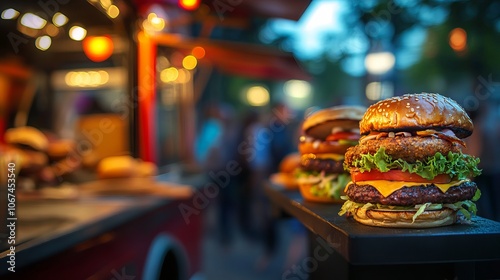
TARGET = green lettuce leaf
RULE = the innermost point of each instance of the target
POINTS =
(331, 187)
(299, 173)
(458, 165)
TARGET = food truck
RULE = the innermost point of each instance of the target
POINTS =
(102, 107)
(71, 103)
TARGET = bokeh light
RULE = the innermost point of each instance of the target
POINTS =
(98, 48)
(77, 33)
(189, 5)
(379, 63)
(59, 19)
(86, 78)
(198, 52)
(153, 23)
(10, 14)
(169, 75)
(33, 21)
(458, 39)
(189, 62)
(43, 42)
(297, 89)
(113, 11)
(257, 96)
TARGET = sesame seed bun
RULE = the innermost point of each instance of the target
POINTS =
(417, 111)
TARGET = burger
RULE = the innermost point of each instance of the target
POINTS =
(30, 145)
(408, 169)
(326, 136)
(27, 137)
(287, 169)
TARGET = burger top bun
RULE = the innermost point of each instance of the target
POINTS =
(28, 136)
(416, 111)
(320, 123)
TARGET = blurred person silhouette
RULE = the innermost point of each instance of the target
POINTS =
(214, 147)
(284, 141)
(264, 145)
(484, 144)
(249, 158)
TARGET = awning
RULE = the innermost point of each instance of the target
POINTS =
(242, 59)
(223, 9)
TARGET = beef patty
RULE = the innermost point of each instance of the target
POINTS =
(408, 196)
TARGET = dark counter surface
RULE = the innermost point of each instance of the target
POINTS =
(45, 227)
(365, 245)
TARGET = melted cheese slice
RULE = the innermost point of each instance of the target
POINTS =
(337, 157)
(388, 187)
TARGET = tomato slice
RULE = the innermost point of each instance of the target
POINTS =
(343, 135)
(398, 175)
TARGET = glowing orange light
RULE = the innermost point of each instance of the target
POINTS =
(458, 39)
(189, 5)
(198, 52)
(98, 48)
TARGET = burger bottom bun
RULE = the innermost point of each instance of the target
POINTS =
(323, 147)
(305, 191)
(403, 219)
(286, 180)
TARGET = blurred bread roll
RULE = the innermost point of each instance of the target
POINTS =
(116, 167)
(125, 167)
(27, 136)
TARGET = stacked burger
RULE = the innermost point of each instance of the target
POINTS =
(408, 169)
(326, 136)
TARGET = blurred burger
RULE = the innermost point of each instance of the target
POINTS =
(287, 169)
(27, 137)
(31, 146)
(408, 169)
(59, 149)
(326, 136)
